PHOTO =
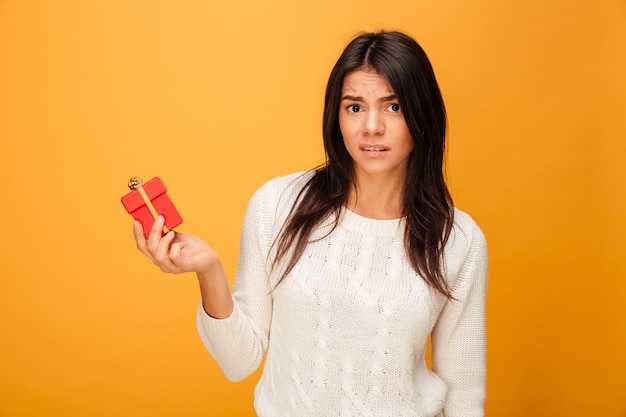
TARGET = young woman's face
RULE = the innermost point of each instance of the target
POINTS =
(373, 126)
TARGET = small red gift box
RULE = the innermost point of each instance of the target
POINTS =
(147, 201)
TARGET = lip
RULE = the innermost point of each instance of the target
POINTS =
(373, 147)
(373, 150)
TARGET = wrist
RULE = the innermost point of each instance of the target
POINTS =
(212, 267)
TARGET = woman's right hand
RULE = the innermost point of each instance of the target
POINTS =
(175, 252)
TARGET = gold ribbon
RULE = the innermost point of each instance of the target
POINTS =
(146, 200)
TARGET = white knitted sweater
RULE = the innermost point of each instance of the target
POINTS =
(345, 333)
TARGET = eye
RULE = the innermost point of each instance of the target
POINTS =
(394, 107)
(354, 108)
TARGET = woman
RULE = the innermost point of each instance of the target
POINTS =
(346, 270)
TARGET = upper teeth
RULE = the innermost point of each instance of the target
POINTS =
(371, 148)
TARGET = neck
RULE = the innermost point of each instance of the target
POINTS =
(377, 196)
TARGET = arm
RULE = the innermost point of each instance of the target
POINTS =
(239, 342)
(231, 335)
(177, 253)
(459, 337)
(234, 328)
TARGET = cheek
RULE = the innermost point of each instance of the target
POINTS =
(403, 137)
(410, 143)
(345, 136)
(346, 129)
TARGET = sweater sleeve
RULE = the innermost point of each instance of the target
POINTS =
(238, 342)
(459, 337)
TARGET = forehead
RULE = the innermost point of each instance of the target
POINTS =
(366, 81)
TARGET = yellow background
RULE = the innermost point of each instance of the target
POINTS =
(216, 97)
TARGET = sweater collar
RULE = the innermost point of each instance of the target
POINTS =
(355, 222)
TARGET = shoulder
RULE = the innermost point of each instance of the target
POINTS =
(277, 196)
(285, 187)
(465, 227)
(284, 182)
(466, 243)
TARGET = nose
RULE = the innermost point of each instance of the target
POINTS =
(374, 123)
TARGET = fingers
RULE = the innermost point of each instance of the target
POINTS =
(174, 252)
(183, 263)
(140, 240)
(175, 257)
(156, 247)
(156, 233)
(162, 255)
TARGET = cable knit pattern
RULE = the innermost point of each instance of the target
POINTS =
(345, 333)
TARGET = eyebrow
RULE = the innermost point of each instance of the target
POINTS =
(360, 99)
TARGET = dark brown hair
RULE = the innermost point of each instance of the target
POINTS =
(427, 204)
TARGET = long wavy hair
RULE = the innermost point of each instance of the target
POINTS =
(427, 204)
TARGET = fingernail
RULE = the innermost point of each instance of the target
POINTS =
(160, 220)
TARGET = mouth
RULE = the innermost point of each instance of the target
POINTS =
(374, 148)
